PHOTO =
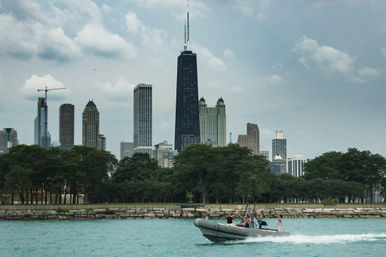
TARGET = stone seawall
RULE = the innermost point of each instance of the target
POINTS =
(79, 212)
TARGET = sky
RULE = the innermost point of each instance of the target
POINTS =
(314, 69)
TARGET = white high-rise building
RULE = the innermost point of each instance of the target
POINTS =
(295, 165)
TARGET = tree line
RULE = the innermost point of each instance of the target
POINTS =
(201, 174)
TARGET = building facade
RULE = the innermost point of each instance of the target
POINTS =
(295, 165)
(251, 140)
(143, 115)
(66, 124)
(41, 134)
(279, 146)
(90, 125)
(126, 149)
(253, 134)
(264, 152)
(212, 123)
(242, 140)
(279, 165)
(164, 154)
(143, 126)
(102, 142)
(187, 127)
(8, 139)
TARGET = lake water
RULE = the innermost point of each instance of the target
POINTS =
(309, 237)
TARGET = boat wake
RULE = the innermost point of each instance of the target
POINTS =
(319, 239)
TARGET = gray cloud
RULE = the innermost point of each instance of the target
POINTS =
(29, 89)
(97, 40)
(38, 32)
(331, 60)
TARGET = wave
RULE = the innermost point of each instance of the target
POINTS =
(319, 239)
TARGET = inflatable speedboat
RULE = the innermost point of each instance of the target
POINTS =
(220, 233)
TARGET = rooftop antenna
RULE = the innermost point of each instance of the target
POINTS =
(186, 34)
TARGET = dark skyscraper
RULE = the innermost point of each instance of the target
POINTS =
(66, 125)
(187, 131)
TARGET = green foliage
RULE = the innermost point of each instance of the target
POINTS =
(62, 210)
(330, 201)
(30, 170)
(362, 171)
(201, 174)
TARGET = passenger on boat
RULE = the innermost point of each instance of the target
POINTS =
(259, 218)
(245, 222)
(230, 220)
(248, 222)
(279, 223)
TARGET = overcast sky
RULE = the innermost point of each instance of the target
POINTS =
(315, 69)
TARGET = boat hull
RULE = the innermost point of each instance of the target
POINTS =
(220, 233)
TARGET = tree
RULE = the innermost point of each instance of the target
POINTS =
(18, 180)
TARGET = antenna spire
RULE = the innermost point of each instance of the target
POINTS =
(186, 29)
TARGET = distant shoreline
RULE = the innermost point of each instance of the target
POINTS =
(185, 211)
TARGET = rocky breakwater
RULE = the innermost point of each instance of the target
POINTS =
(177, 211)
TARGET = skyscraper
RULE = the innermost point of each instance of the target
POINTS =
(66, 125)
(279, 146)
(187, 127)
(251, 140)
(8, 139)
(90, 125)
(143, 118)
(41, 122)
(212, 123)
(102, 142)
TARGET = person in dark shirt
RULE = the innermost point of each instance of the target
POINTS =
(230, 220)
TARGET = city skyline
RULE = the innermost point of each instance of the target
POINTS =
(311, 77)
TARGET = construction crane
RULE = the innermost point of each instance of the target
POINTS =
(45, 133)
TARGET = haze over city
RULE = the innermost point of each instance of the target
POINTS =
(315, 69)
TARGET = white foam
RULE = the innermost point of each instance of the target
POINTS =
(319, 239)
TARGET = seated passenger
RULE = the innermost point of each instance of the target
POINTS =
(243, 223)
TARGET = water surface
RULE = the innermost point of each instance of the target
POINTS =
(309, 237)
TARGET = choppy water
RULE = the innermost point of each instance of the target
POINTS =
(309, 237)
